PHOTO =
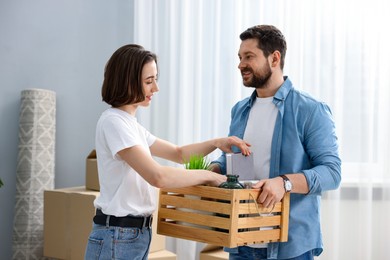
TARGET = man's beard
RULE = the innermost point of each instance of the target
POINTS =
(258, 81)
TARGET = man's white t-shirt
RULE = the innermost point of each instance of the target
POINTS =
(258, 132)
(122, 190)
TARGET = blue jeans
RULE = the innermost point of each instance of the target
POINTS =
(249, 253)
(118, 243)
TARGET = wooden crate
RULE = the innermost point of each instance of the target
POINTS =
(221, 217)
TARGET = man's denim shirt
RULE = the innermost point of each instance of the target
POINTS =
(304, 141)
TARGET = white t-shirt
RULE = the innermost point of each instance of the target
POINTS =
(122, 190)
(258, 132)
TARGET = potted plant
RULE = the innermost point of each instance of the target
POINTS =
(1, 183)
(197, 162)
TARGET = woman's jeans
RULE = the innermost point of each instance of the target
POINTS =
(245, 253)
(118, 243)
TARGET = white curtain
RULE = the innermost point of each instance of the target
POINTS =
(338, 50)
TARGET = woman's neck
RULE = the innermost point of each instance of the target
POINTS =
(131, 109)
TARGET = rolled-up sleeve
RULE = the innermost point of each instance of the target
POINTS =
(322, 147)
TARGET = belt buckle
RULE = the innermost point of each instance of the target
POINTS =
(150, 221)
(146, 223)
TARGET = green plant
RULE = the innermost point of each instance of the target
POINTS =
(197, 162)
(1, 183)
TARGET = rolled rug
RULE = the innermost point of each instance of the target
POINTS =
(35, 170)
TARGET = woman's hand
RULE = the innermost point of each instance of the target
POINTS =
(215, 179)
(225, 144)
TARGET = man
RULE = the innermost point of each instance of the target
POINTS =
(293, 142)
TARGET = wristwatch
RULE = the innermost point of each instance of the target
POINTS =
(287, 183)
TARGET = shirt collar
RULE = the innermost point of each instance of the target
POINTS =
(280, 95)
(284, 89)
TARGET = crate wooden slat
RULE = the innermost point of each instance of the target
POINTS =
(221, 217)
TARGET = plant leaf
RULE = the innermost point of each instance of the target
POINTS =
(197, 162)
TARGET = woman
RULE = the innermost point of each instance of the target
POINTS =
(128, 174)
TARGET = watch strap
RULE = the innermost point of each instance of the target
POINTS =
(284, 177)
(285, 181)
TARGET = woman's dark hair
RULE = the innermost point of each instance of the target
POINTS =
(269, 39)
(122, 83)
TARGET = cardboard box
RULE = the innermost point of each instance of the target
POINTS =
(162, 255)
(213, 254)
(68, 218)
(236, 219)
(91, 174)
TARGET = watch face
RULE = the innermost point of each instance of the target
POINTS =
(288, 186)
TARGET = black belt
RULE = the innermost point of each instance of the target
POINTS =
(128, 221)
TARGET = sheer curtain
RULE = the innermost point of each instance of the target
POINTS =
(337, 51)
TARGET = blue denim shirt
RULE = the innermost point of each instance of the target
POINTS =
(304, 141)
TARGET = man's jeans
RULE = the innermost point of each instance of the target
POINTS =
(246, 253)
(118, 243)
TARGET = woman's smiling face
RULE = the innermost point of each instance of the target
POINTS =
(149, 82)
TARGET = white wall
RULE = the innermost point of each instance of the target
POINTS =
(63, 46)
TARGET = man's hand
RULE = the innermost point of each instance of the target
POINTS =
(271, 191)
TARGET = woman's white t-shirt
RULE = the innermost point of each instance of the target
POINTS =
(122, 190)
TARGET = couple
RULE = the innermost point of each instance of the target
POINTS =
(291, 134)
